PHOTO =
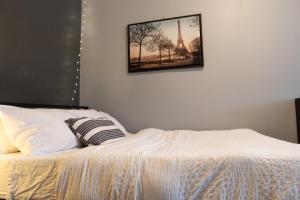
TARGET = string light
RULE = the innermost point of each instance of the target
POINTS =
(83, 22)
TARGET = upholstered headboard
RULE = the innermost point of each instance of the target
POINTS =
(27, 105)
(39, 51)
(297, 102)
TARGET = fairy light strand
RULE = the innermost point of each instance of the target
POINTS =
(77, 64)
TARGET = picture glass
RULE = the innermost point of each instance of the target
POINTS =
(165, 44)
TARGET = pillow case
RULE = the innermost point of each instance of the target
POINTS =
(5, 145)
(97, 114)
(40, 131)
(94, 131)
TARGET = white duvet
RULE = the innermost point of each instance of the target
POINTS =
(156, 164)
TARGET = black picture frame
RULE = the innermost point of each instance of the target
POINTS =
(183, 56)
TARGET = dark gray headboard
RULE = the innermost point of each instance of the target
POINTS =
(39, 50)
(28, 105)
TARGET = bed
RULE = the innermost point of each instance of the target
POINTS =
(157, 164)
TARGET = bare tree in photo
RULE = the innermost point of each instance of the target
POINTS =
(169, 46)
(160, 42)
(195, 47)
(139, 35)
(155, 43)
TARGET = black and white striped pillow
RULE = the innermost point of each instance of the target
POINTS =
(94, 131)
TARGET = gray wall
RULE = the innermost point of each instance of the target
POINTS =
(39, 47)
(250, 78)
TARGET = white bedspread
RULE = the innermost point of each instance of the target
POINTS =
(156, 164)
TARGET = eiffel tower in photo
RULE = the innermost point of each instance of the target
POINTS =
(180, 49)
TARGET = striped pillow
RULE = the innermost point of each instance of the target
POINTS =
(94, 131)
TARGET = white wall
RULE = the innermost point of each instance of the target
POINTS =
(250, 78)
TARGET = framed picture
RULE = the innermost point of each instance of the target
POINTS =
(165, 44)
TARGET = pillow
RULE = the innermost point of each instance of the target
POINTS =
(38, 131)
(78, 113)
(97, 114)
(94, 131)
(5, 145)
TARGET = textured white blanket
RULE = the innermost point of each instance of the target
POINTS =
(156, 164)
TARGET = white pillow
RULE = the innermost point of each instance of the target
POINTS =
(40, 131)
(5, 145)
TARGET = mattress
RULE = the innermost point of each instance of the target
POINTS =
(157, 164)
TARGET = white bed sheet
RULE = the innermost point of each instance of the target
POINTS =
(7, 161)
(4, 172)
(156, 164)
